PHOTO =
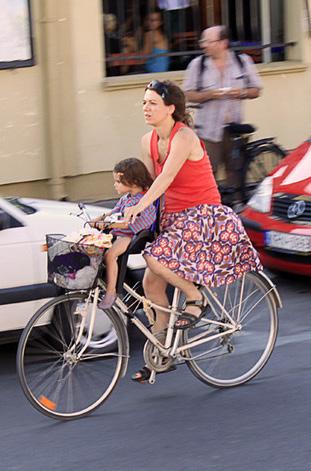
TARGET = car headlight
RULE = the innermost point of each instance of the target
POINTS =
(261, 199)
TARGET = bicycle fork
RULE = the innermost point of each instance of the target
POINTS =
(84, 314)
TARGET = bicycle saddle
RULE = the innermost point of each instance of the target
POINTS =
(239, 128)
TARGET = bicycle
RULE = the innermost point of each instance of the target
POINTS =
(63, 378)
(252, 161)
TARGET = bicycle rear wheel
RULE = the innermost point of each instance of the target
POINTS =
(262, 161)
(236, 358)
(54, 379)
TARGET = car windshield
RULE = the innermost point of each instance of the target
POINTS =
(22, 206)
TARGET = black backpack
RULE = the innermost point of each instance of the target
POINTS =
(202, 67)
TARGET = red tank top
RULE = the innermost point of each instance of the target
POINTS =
(193, 185)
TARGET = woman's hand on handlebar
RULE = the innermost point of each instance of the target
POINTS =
(131, 213)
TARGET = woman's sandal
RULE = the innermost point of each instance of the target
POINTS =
(186, 319)
(143, 375)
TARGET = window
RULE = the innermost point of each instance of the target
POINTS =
(254, 24)
(16, 48)
(17, 203)
(144, 36)
(147, 36)
(7, 221)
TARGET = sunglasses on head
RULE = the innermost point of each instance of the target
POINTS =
(159, 87)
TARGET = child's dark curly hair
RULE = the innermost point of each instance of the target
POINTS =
(133, 172)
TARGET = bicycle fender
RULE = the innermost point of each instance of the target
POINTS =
(125, 339)
(275, 293)
(255, 145)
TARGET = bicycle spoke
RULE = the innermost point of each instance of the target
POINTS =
(53, 376)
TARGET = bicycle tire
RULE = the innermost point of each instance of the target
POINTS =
(236, 359)
(258, 165)
(53, 380)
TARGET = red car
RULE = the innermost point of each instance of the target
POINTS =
(278, 216)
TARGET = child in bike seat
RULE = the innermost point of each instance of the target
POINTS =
(131, 180)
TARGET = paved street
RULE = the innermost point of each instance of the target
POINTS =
(179, 424)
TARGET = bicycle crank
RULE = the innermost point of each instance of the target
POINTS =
(154, 359)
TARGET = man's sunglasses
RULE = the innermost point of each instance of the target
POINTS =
(206, 41)
(159, 87)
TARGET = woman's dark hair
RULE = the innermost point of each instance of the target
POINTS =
(133, 172)
(172, 94)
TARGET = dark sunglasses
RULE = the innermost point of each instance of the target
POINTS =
(159, 87)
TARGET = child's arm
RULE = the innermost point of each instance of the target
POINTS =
(116, 209)
(119, 225)
(99, 219)
(107, 214)
(113, 225)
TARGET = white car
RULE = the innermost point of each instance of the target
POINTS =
(24, 223)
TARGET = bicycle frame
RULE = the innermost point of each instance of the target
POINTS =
(172, 347)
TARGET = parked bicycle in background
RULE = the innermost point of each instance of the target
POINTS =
(252, 161)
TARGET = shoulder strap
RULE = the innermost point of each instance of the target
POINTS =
(201, 68)
(242, 66)
(239, 60)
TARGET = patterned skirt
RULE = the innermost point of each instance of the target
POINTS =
(206, 244)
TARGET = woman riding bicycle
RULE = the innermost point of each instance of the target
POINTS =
(201, 241)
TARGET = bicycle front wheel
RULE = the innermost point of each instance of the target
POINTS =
(234, 359)
(55, 378)
(263, 160)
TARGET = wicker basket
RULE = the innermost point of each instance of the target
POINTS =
(72, 265)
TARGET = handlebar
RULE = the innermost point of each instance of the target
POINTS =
(83, 213)
(114, 218)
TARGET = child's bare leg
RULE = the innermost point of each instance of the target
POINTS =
(111, 256)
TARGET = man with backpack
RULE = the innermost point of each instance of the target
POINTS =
(217, 82)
